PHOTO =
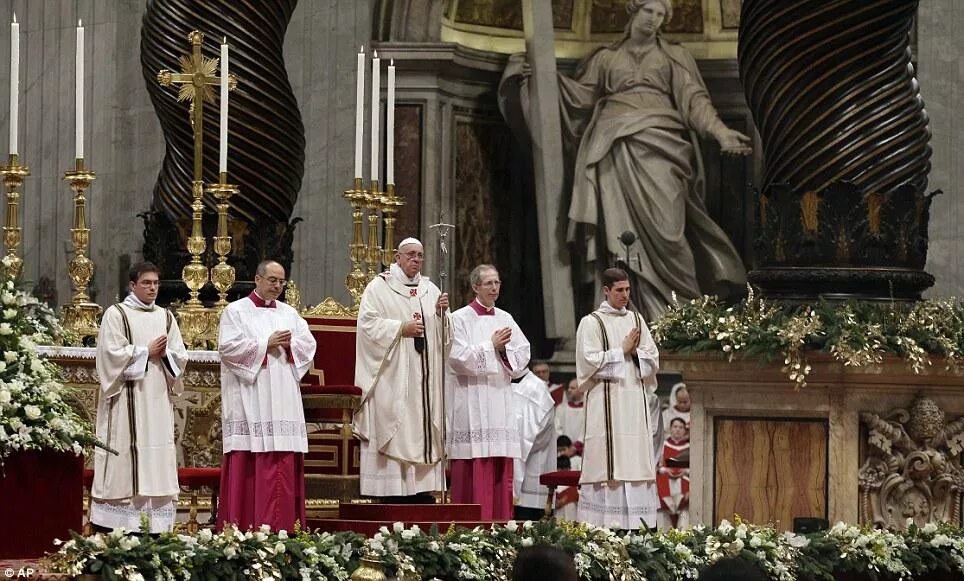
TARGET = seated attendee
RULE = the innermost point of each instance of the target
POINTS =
(540, 369)
(673, 481)
(568, 454)
(679, 407)
(540, 562)
(733, 569)
(571, 417)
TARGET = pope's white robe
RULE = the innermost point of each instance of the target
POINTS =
(479, 388)
(399, 422)
(618, 486)
(135, 417)
(534, 411)
(261, 407)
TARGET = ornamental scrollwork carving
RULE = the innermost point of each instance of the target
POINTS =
(913, 469)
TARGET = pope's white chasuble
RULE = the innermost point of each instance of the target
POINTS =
(399, 422)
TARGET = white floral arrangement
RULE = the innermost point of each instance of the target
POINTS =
(230, 554)
(34, 414)
(488, 553)
(877, 550)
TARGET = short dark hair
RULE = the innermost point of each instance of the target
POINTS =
(536, 362)
(733, 569)
(563, 440)
(543, 562)
(142, 268)
(677, 419)
(262, 268)
(611, 276)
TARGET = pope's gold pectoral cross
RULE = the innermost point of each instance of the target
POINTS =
(196, 80)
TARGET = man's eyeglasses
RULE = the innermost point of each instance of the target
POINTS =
(491, 283)
(275, 280)
(413, 255)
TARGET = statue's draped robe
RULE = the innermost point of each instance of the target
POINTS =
(135, 417)
(618, 481)
(399, 422)
(262, 415)
(482, 435)
(638, 167)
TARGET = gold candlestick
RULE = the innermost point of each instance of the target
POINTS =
(391, 204)
(80, 315)
(356, 279)
(373, 204)
(13, 174)
(195, 274)
(222, 274)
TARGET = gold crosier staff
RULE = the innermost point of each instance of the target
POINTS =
(443, 231)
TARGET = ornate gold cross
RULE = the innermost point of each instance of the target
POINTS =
(196, 79)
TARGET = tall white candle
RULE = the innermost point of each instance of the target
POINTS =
(390, 127)
(79, 90)
(14, 82)
(359, 112)
(223, 159)
(376, 94)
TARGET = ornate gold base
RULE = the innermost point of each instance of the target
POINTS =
(199, 326)
(80, 319)
(370, 568)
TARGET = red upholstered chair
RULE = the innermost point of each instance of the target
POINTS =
(555, 479)
(194, 479)
(88, 485)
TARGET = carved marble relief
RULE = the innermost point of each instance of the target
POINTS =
(912, 469)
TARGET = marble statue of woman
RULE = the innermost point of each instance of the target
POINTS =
(632, 113)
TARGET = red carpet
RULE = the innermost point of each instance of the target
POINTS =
(366, 519)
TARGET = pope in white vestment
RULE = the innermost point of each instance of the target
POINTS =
(534, 410)
(140, 360)
(399, 354)
(266, 348)
(616, 364)
(488, 350)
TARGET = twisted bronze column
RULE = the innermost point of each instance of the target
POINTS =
(843, 208)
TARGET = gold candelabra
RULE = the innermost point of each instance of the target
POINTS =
(356, 280)
(13, 174)
(373, 201)
(80, 315)
(222, 274)
(391, 204)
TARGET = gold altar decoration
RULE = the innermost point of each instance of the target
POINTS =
(13, 174)
(81, 314)
(222, 274)
(370, 568)
(356, 280)
(373, 202)
(391, 204)
(196, 79)
(293, 295)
